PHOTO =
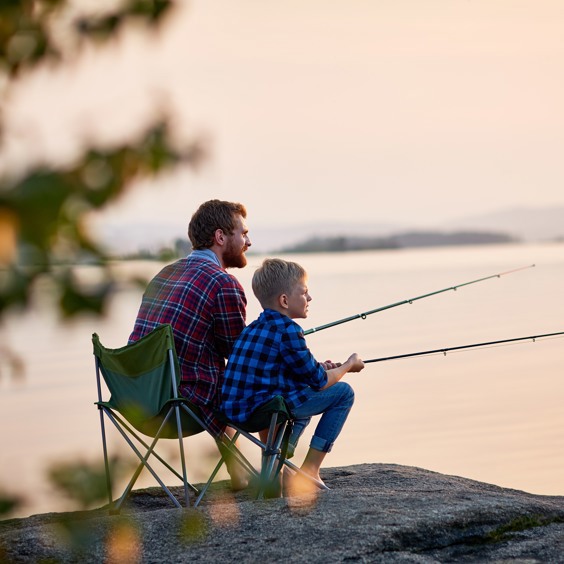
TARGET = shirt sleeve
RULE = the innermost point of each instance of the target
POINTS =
(298, 360)
(229, 316)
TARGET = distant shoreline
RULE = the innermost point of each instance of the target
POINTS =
(348, 242)
(405, 240)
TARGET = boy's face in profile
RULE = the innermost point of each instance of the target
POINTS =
(298, 300)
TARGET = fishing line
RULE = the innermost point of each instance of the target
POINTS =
(489, 344)
(411, 300)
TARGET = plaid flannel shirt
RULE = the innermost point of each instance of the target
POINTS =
(206, 308)
(270, 358)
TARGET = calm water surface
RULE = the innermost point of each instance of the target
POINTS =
(493, 415)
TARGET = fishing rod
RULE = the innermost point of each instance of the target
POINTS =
(444, 351)
(411, 300)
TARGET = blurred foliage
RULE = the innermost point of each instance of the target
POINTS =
(24, 36)
(41, 219)
(12, 362)
(26, 28)
(84, 483)
(42, 227)
(78, 538)
(8, 503)
(124, 542)
(43, 234)
(193, 526)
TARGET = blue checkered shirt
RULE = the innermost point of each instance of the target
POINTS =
(270, 358)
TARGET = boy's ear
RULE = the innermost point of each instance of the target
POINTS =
(283, 301)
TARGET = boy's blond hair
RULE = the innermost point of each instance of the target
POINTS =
(274, 278)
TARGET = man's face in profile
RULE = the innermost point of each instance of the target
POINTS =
(237, 244)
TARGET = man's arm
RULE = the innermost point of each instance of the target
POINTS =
(229, 317)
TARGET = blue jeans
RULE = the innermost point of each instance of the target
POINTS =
(334, 405)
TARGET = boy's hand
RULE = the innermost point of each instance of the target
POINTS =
(356, 363)
(329, 364)
(338, 370)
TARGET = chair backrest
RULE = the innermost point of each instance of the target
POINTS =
(139, 375)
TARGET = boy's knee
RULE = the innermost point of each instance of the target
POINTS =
(347, 393)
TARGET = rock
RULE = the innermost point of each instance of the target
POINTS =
(373, 513)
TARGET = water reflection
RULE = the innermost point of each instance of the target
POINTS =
(493, 415)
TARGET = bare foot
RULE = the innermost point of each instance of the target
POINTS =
(313, 472)
(239, 479)
(298, 484)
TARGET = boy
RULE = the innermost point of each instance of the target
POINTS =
(271, 358)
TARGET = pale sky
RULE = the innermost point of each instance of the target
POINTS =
(397, 111)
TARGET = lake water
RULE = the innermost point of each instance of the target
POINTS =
(492, 414)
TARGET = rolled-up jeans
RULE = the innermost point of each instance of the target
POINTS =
(334, 404)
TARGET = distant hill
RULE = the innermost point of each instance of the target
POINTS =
(527, 224)
(402, 240)
(530, 224)
(272, 239)
(507, 225)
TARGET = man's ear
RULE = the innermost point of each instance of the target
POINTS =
(219, 237)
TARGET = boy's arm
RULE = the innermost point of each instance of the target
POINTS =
(352, 364)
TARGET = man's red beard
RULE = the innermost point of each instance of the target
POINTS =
(234, 257)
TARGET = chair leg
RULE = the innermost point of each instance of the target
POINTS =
(286, 461)
(106, 461)
(183, 460)
(270, 454)
(154, 453)
(226, 448)
(103, 429)
(144, 463)
(208, 483)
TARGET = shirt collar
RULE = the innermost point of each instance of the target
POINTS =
(272, 314)
(207, 254)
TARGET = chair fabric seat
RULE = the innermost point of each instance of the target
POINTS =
(262, 416)
(150, 427)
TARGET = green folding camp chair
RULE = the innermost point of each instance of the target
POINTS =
(142, 380)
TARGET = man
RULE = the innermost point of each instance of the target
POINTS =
(204, 305)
